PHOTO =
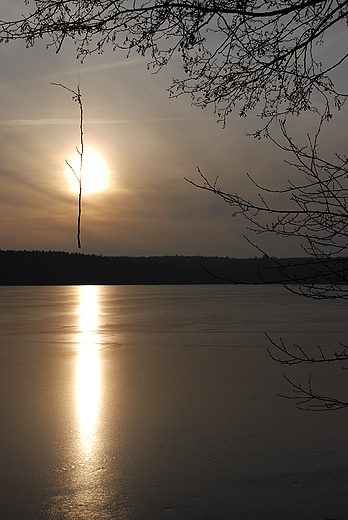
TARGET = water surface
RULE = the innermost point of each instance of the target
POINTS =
(155, 402)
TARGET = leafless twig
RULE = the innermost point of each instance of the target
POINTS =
(307, 399)
(236, 55)
(78, 98)
(299, 355)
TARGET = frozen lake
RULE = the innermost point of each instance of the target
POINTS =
(159, 402)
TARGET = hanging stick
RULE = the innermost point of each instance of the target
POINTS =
(78, 98)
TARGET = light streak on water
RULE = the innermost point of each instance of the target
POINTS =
(88, 381)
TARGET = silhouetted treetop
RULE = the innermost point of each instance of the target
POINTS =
(251, 54)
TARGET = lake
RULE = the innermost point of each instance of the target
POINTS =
(160, 402)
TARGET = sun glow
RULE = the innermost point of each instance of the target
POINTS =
(95, 174)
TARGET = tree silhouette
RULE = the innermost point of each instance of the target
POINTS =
(314, 211)
(248, 54)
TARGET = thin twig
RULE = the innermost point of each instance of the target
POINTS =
(78, 98)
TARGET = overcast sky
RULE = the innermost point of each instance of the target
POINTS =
(149, 144)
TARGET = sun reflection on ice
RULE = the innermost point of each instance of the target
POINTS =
(88, 367)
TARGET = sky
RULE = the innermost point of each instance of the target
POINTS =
(148, 143)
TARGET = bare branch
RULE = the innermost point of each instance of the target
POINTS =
(299, 356)
(314, 211)
(242, 55)
(307, 399)
(78, 98)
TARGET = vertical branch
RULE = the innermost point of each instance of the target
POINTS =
(78, 98)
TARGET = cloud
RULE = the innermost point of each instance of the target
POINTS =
(37, 122)
(87, 122)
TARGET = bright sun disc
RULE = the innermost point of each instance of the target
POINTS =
(94, 172)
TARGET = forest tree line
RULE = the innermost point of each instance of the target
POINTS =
(62, 268)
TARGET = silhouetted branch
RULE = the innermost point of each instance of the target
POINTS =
(315, 212)
(78, 98)
(307, 399)
(299, 355)
(245, 54)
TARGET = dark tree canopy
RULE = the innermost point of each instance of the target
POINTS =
(248, 54)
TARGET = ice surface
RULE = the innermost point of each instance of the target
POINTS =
(160, 402)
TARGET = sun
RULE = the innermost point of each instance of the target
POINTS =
(95, 174)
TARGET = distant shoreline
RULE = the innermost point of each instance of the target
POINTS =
(62, 268)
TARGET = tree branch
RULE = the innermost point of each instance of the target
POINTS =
(78, 98)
